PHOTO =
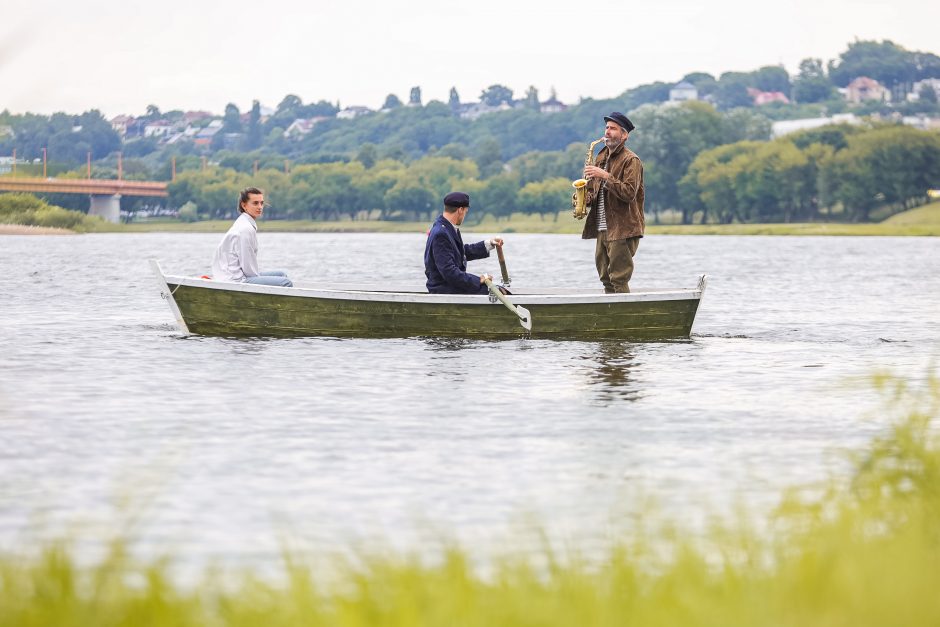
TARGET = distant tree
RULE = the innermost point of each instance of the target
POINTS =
(288, 106)
(812, 84)
(927, 94)
(772, 78)
(833, 135)
(453, 150)
(705, 83)
(232, 121)
(454, 100)
(495, 95)
(367, 155)
(532, 98)
(547, 197)
(253, 140)
(745, 124)
(319, 108)
(732, 93)
(885, 61)
(153, 113)
(497, 196)
(189, 212)
(667, 140)
(97, 132)
(926, 64)
(489, 157)
(645, 94)
(141, 147)
(408, 200)
(391, 102)
(414, 99)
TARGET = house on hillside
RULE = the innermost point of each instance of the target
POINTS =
(194, 117)
(683, 92)
(121, 123)
(263, 114)
(205, 135)
(784, 127)
(916, 88)
(864, 88)
(350, 113)
(157, 128)
(552, 105)
(302, 126)
(766, 97)
(473, 110)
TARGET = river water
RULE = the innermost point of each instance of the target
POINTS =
(220, 448)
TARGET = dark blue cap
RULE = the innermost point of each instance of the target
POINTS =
(618, 118)
(457, 199)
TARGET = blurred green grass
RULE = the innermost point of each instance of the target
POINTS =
(860, 551)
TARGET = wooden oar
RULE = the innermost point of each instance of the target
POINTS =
(525, 318)
(502, 265)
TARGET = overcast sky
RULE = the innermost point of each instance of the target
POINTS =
(119, 57)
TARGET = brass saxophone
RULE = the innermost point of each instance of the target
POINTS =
(579, 210)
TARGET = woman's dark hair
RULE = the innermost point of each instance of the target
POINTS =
(243, 196)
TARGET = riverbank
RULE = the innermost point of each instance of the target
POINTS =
(22, 229)
(922, 221)
(926, 223)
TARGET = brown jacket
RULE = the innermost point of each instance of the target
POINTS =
(625, 196)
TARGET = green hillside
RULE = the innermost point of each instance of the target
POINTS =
(928, 214)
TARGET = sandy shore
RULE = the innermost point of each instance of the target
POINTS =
(22, 229)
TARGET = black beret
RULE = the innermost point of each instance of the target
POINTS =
(618, 118)
(457, 199)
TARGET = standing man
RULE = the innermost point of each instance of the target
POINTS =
(615, 194)
(446, 256)
(236, 258)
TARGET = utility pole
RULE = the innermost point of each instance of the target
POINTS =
(43, 163)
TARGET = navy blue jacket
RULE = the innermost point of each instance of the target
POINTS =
(445, 261)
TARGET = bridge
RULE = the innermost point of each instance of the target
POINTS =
(105, 193)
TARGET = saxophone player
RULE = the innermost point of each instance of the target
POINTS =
(615, 195)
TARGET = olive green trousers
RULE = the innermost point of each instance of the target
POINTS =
(614, 261)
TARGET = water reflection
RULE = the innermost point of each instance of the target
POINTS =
(613, 371)
(448, 344)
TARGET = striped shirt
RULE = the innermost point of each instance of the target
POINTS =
(601, 211)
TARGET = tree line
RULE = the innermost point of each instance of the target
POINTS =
(398, 163)
(838, 172)
(814, 174)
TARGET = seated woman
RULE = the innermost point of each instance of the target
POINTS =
(236, 258)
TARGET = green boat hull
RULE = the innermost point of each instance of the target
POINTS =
(207, 307)
(237, 313)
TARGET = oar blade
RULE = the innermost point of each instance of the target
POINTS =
(525, 318)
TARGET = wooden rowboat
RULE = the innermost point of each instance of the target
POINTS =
(207, 307)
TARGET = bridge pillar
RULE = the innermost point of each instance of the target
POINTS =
(108, 207)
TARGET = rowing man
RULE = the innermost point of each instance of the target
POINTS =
(446, 256)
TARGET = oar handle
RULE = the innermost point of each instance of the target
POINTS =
(502, 264)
